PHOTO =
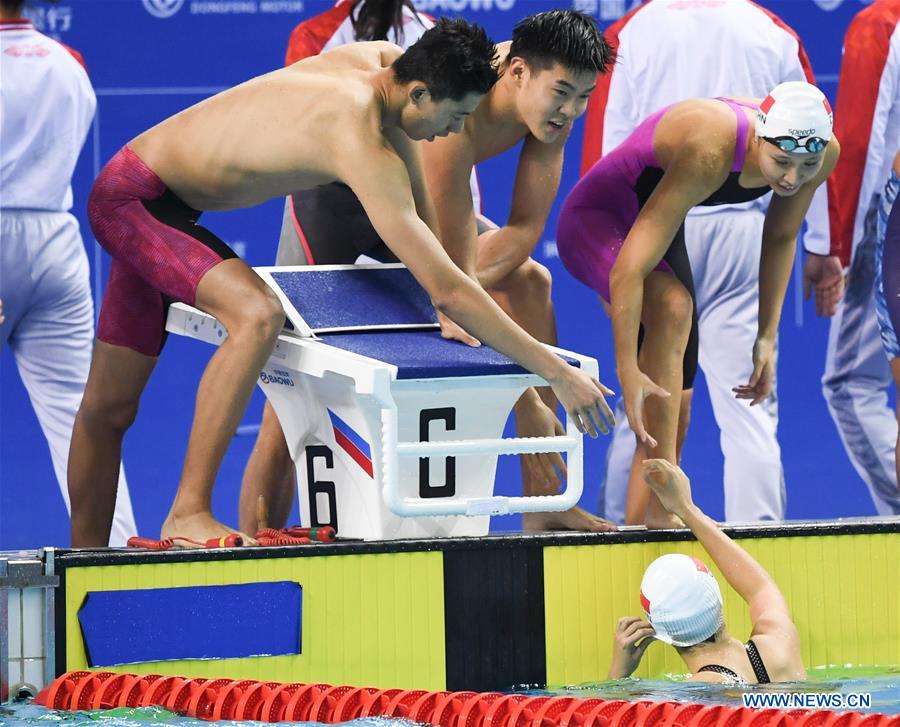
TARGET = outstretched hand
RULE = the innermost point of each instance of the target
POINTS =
(670, 484)
(635, 388)
(584, 400)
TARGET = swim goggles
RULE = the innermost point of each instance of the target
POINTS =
(814, 144)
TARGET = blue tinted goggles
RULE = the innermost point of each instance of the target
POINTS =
(814, 144)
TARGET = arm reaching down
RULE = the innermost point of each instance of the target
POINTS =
(382, 185)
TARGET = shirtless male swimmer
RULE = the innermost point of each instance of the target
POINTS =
(547, 72)
(354, 114)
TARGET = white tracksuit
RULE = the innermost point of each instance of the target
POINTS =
(46, 108)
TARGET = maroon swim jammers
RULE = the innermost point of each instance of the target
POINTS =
(159, 252)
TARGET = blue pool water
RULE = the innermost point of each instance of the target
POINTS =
(882, 683)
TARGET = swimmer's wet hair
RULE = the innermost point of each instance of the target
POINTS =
(453, 59)
(561, 36)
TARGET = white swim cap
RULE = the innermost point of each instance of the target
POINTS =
(681, 599)
(797, 117)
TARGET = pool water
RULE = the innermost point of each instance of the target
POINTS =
(883, 683)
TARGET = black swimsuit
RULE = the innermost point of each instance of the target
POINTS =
(759, 669)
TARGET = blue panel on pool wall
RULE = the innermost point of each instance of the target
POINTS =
(193, 622)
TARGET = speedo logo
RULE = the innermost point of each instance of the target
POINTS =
(800, 133)
(282, 378)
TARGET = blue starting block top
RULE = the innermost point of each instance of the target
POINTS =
(383, 313)
(425, 355)
(360, 298)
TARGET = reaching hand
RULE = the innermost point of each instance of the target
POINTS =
(453, 332)
(635, 388)
(758, 388)
(633, 636)
(825, 275)
(2, 317)
(583, 399)
(670, 484)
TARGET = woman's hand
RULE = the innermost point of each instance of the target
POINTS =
(637, 386)
(758, 388)
(633, 636)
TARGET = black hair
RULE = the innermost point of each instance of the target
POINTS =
(377, 17)
(16, 6)
(561, 36)
(453, 59)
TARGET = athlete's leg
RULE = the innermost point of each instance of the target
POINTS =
(620, 458)
(667, 318)
(251, 313)
(270, 475)
(270, 469)
(115, 383)
(525, 296)
(322, 226)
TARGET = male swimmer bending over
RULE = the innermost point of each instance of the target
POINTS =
(547, 73)
(348, 115)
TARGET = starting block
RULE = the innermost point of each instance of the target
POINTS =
(395, 432)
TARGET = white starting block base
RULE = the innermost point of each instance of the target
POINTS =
(355, 425)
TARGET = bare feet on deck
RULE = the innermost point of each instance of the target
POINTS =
(200, 527)
(666, 521)
(574, 519)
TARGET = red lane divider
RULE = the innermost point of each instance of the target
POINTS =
(229, 699)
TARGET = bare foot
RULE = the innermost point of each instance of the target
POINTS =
(200, 527)
(665, 521)
(574, 519)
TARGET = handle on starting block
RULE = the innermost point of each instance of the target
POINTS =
(572, 444)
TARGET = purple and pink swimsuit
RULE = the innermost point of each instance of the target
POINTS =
(600, 210)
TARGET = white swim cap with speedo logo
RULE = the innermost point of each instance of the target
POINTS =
(796, 110)
(681, 599)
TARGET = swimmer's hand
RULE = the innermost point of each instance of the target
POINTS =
(758, 388)
(670, 484)
(2, 318)
(633, 636)
(637, 386)
(823, 274)
(583, 398)
(453, 332)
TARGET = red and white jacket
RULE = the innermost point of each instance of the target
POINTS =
(334, 28)
(866, 121)
(670, 50)
(46, 108)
